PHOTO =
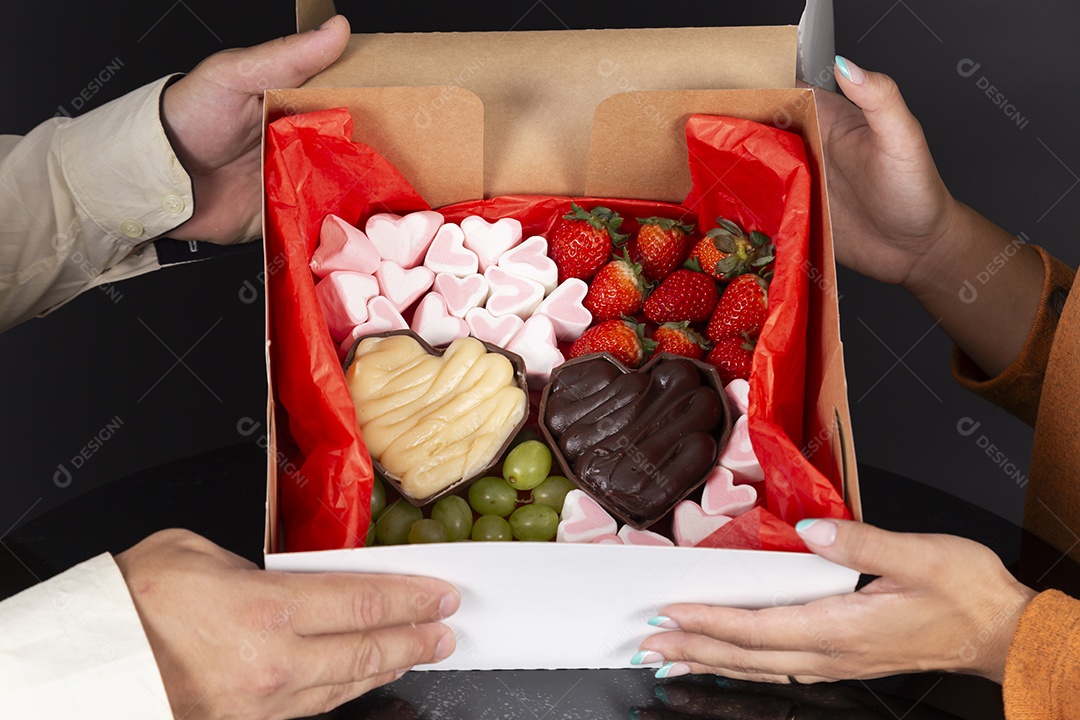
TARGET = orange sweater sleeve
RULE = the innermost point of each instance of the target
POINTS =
(1043, 664)
(1018, 388)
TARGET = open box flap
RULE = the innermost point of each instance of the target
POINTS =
(539, 89)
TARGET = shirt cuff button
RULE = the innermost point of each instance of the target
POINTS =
(173, 204)
(132, 228)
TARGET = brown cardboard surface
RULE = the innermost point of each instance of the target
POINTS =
(540, 89)
(442, 157)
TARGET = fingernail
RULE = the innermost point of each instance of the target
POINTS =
(818, 532)
(646, 657)
(400, 673)
(850, 70)
(445, 646)
(634, 714)
(328, 23)
(671, 669)
(663, 621)
(449, 604)
(721, 681)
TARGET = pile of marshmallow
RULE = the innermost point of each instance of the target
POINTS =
(476, 278)
(728, 492)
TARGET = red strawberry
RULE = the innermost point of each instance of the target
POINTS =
(661, 245)
(581, 241)
(683, 295)
(738, 254)
(741, 310)
(617, 290)
(732, 357)
(679, 339)
(708, 256)
(625, 340)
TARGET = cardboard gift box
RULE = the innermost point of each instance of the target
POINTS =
(576, 113)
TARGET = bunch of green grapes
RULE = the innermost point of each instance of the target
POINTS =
(523, 504)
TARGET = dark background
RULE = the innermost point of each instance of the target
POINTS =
(109, 357)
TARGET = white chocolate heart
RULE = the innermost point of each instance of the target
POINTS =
(738, 392)
(536, 344)
(448, 254)
(511, 294)
(403, 240)
(382, 316)
(690, 525)
(461, 294)
(432, 322)
(722, 496)
(402, 286)
(343, 247)
(570, 318)
(490, 240)
(630, 536)
(738, 456)
(344, 298)
(583, 520)
(495, 330)
(530, 261)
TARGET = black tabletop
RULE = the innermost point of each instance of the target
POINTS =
(221, 495)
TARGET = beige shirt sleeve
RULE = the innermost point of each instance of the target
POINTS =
(81, 199)
(74, 646)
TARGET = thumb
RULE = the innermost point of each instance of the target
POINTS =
(878, 96)
(289, 61)
(862, 547)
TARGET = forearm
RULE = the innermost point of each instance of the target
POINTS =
(82, 199)
(985, 288)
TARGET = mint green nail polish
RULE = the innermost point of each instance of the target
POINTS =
(671, 669)
(663, 672)
(661, 694)
(634, 714)
(646, 657)
(663, 621)
(804, 525)
(842, 66)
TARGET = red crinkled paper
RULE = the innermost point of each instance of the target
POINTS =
(745, 171)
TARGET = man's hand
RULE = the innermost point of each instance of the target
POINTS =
(213, 118)
(941, 603)
(232, 641)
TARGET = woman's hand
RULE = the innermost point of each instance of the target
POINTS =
(213, 118)
(891, 211)
(232, 641)
(941, 603)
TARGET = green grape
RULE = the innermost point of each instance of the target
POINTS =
(427, 531)
(492, 496)
(552, 492)
(527, 465)
(378, 499)
(370, 536)
(490, 528)
(534, 522)
(523, 436)
(392, 528)
(454, 514)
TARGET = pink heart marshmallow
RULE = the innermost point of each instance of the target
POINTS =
(722, 496)
(495, 330)
(536, 344)
(608, 539)
(690, 525)
(583, 520)
(511, 294)
(403, 240)
(738, 392)
(448, 253)
(432, 322)
(738, 456)
(402, 286)
(490, 240)
(570, 318)
(343, 247)
(344, 298)
(630, 536)
(530, 261)
(461, 294)
(382, 316)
